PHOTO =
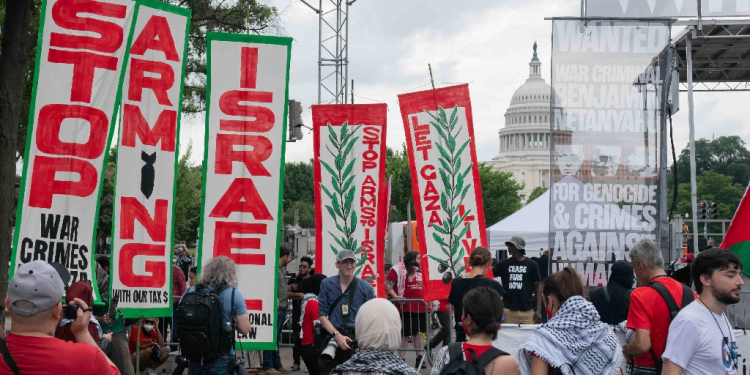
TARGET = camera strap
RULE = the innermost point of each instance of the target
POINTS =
(8, 358)
(352, 287)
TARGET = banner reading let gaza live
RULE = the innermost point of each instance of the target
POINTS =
(248, 82)
(349, 164)
(147, 159)
(607, 80)
(447, 196)
(80, 55)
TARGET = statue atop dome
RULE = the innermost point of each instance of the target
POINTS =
(534, 58)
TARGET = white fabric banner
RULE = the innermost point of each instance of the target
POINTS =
(142, 231)
(244, 164)
(79, 59)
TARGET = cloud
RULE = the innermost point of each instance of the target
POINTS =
(484, 43)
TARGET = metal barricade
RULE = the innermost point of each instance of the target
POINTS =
(287, 326)
(739, 313)
(415, 321)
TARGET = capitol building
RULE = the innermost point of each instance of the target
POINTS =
(525, 139)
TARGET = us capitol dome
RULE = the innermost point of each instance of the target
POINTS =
(525, 140)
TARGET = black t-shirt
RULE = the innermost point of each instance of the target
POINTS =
(518, 279)
(543, 263)
(614, 309)
(461, 286)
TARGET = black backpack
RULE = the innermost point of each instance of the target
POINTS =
(687, 298)
(456, 365)
(202, 337)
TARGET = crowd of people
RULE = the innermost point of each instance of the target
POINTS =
(341, 328)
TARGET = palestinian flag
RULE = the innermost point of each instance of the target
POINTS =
(737, 238)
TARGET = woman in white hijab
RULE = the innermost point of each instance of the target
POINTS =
(378, 329)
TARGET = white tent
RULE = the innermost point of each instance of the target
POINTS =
(531, 223)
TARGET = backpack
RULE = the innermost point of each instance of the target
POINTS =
(687, 298)
(458, 366)
(202, 338)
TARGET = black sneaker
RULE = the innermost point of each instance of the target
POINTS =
(419, 359)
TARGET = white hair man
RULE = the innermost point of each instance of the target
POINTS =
(649, 314)
(34, 301)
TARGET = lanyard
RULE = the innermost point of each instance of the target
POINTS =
(729, 329)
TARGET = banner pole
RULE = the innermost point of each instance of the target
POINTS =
(432, 81)
(138, 346)
(691, 118)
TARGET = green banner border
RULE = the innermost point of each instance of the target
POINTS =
(135, 312)
(261, 39)
(29, 138)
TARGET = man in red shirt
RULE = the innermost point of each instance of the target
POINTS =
(33, 299)
(649, 314)
(151, 340)
(404, 281)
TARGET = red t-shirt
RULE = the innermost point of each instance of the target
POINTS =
(444, 306)
(649, 311)
(413, 290)
(146, 338)
(42, 355)
(311, 315)
(478, 350)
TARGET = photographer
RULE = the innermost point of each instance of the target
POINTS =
(33, 300)
(340, 298)
(153, 353)
(83, 291)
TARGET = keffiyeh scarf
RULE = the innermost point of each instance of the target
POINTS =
(401, 272)
(91, 320)
(575, 341)
(308, 297)
(375, 361)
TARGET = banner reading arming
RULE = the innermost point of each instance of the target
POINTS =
(80, 55)
(147, 160)
(246, 105)
(349, 165)
(607, 81)
(447, 193)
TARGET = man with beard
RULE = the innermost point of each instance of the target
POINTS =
(700, 337)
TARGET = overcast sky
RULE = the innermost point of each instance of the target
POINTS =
(486, 43)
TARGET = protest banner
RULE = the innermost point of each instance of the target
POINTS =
(241, 210)
(666, 8)
(80, 56)
(147, 156)
(349, 167)
(447, 193)
(606, 115)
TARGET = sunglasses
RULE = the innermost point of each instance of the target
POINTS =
(149, 322)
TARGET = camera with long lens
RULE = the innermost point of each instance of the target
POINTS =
(329, 352)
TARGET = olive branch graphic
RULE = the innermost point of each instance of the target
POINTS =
(453, 194)
(341, 192)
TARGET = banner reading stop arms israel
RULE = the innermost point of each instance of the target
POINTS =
(350, 207)
(241, 213)
(445, 183)
(80, 57)
(147, 156)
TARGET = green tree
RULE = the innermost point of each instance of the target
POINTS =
(299, 193)
(397, 168)
(499, 193)
(536, 193)
(306, 214)
(725, 155)
(106, 200)
(187, 203)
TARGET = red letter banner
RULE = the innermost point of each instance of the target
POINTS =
(447, 193)
(80, 56)
(243, 173)
(142, 223)
(350, 210)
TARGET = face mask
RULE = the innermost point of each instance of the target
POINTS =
(466, 329)
(148, 327)
(549, 314)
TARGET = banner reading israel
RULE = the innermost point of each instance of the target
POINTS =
(147, 158)
(248, 91)
(350, 211)
(80, 55)
(447, 193)
(607, 80)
